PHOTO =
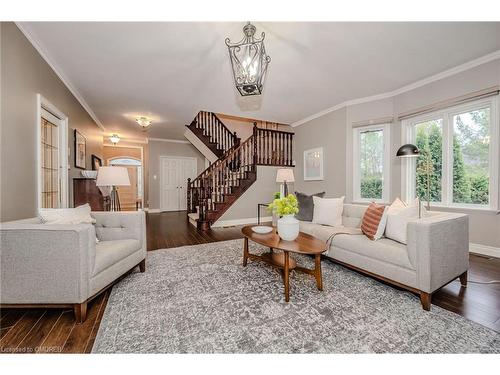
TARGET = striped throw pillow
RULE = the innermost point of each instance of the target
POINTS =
(374, 220)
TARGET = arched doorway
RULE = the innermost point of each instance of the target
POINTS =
(131, 196)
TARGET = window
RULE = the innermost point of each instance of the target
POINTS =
(458, 162)
(371, 163)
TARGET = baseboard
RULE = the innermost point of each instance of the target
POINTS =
(249, 220)
(154, 210)
(491, 251)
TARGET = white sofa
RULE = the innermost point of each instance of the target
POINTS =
(58, 266)
(437, 251)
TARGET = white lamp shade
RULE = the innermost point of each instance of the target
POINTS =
(285, 175)
(112, 176)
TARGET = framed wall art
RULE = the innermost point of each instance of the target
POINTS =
(313, 164)
(80, 150)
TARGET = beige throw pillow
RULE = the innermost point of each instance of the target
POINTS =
(328, 211)
(77, 215)
(398, 217)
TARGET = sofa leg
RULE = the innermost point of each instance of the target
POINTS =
(425, 299)
(80, 310)
(463, 279)
(142, 266)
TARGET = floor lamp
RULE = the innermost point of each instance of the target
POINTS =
(113, 177)
(410, 151)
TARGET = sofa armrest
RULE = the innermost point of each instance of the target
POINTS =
(440, 245)
(42, 263)
(121, 226)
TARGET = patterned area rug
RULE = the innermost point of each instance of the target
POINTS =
(199, 299)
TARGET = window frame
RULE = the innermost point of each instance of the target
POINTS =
(386, 163)
(408, 175)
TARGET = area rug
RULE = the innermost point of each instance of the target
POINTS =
(200, 299)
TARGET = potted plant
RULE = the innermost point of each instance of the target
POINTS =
(286, 208)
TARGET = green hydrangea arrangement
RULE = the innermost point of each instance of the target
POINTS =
(285, 206)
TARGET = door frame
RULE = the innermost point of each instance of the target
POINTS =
(194, 159)
(141, 180)
(43, 104)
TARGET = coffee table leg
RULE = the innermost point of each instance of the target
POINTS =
(317, 271)
(245, 252)
(286, 273)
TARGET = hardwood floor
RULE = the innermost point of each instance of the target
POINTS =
(55, 331)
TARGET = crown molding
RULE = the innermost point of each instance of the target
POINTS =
(168, 140)
(36, 44)
(412, 86)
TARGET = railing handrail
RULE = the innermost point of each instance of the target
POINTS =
(273, 130)
(218, 120)
(211, 166)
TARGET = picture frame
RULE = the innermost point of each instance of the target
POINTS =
(80, 150)
(313, 164)
(96, 162)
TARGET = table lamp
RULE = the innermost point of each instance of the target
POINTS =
(113, 177)
(283, 176)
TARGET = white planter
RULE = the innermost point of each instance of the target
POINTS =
(288, 228)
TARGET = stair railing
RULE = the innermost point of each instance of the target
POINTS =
(264, 147)
(214, 128)
(273, 147)
(218, 180)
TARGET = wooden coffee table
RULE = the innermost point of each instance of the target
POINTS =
(303, 244)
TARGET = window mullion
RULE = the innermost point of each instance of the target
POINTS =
(447, 181)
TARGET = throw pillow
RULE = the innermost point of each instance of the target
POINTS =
(374, 221)
(77, 215)
(328, 211)
(398, 217)
(306, 205)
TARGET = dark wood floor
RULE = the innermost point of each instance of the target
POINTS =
(55, 331)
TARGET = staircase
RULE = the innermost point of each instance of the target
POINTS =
(211, 194)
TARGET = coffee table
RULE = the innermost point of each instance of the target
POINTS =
(303, 244)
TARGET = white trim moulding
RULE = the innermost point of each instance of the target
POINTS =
(490, 251)
(447, 73)
(36, 44)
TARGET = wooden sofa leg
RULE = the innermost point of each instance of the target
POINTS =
(463, 279)
(425, 299)
(142, 266)
(80, 310)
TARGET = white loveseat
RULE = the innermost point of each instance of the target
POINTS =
(50, 265)
(437, 251)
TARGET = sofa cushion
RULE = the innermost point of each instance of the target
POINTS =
(306, 205)
(352, 214)
(325, 232)
(385, 250)
(111, 252)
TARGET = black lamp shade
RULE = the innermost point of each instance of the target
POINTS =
(408, 151)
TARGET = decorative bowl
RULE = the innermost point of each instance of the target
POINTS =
(262, 229)
(89, 174)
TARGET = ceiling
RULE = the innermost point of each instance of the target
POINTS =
(169, 71)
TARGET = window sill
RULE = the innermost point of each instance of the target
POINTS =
(462, 208)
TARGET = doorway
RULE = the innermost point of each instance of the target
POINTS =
(174, 172)
(130, 196)
(52, 156)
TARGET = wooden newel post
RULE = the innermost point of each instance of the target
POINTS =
(254, 145)
(236, 141)
(188, 194)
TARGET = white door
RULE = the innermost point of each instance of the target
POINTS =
(174, 172)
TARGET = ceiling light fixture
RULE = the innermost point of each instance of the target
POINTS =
(144, 122)
(114, 139)
(249, 62)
